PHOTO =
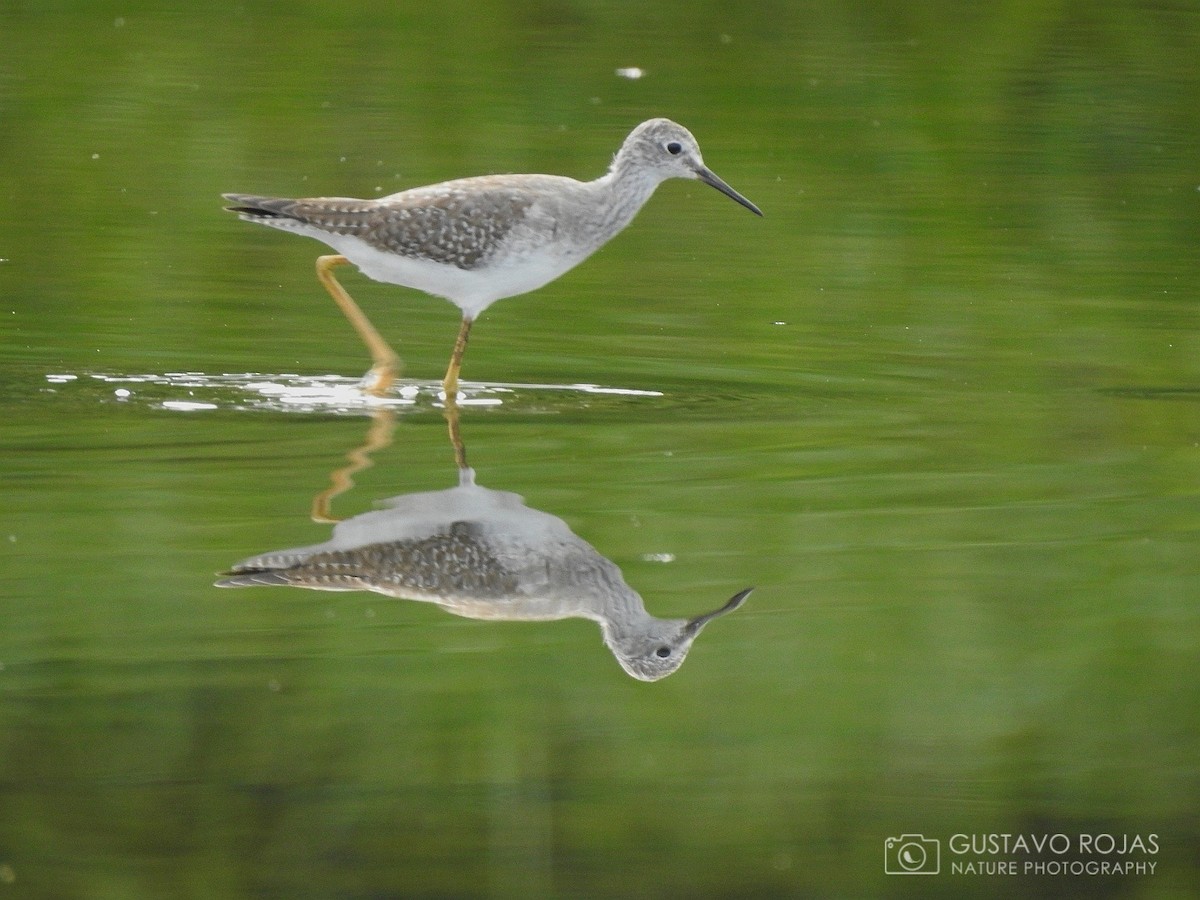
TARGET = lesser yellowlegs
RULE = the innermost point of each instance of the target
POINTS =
(482, 554)
(477, 240)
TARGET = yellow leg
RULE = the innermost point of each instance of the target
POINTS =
(450, 382)
(384, 361)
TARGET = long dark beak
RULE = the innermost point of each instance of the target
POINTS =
(693, 627)
(709, 177)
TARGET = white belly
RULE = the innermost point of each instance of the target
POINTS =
(471, 290)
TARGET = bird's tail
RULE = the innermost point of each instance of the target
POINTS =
(253, 578)
(340, 215)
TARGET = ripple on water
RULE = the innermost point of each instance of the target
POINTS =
(249, 391)
(198, 392)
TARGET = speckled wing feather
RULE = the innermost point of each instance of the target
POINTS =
(454, 564)
(459, 223)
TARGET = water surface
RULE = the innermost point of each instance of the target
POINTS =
(940, 406)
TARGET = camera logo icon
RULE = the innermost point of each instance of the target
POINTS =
(912, 854)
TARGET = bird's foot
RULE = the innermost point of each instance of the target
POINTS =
(377, 381)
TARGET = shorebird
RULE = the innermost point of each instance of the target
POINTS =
(484, 554)
(477, 240)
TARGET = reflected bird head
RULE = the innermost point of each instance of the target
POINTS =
(658, 647)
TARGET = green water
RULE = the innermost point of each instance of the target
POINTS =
(940, 406)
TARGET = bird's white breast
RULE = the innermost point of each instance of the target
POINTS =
(517, 270)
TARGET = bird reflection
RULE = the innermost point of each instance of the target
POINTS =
(482, 554)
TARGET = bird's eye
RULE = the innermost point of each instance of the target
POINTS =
(674, 148)
(662, 652)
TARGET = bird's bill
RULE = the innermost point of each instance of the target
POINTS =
(733, 603)
(710, 178)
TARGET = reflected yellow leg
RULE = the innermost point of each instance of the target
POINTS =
(385, 364)
(379, 435)
(456, 441)
(450, 382)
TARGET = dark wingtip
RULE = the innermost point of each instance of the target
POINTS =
(237, 202)
(253, 205)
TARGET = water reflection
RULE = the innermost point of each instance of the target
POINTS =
(478, 553)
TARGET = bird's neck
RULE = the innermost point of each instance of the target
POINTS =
(624, 190)
(623, 618)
